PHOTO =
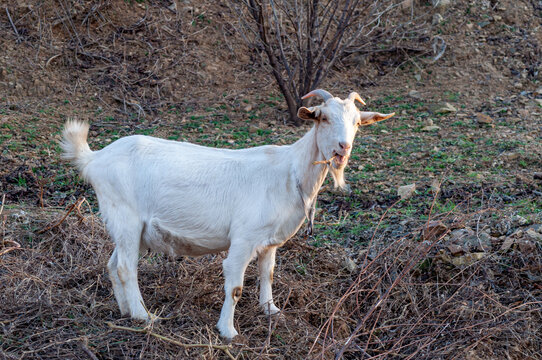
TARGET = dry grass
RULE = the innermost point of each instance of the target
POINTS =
(403, 301)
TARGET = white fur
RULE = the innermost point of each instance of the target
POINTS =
(184, 199)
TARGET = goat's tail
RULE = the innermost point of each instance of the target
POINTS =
(74, 144)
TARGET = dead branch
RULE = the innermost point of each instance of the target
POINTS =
(74, 206)
(325, 162)
(224, 348)
(13, 25)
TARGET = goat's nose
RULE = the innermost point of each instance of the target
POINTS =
(344, 145)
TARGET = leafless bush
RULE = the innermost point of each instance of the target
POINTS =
(302, 40)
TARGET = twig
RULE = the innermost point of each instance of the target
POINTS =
(13, 25)
(325, 162)
(272, 327)
(75, 205)
(51, 59)
(224, 348)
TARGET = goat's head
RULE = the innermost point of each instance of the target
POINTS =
(337, 122)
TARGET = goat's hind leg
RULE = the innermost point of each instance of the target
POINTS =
(127, 238)
(118, 289)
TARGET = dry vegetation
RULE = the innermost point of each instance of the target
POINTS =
(452, 272)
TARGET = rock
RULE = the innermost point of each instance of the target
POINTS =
(407, 4)
(428, 122)
(248, 108)
(446, 109)
(459, 236)
(414, 94)
(500, 228)
(534, 235)
(418, 77)
(435, 186)
(481, 242)
(253, 129)
(437, 19)
(537, 175)
(519, 221)
(468, 259)
(484, 119)
(20, 216)
(406, 191)
(510, 156)
(455, 250)
(434, 230)
(349, 264)
(538, 101)
(526, 246)
(441, 3)
(507, 244)
(431, 128)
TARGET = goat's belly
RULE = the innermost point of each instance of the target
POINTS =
(164, 241)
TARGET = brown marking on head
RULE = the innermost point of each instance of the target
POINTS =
(236, 293)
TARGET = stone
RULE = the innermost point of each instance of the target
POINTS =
(532, 234)
(406, 191)
(435, 186)
(526, 246)
(407, 4)
(484, 119)
(459, 236)
(434, 230)
(500, 228)
(428, 122)
(507, 244)
(467, 259)
(455, 249)
(414, 94)
(437, 19)
(446, 109)
(519, 221)
(431, 128)
(510, 156)
(480, 242)
(441, 3)
(349, 264)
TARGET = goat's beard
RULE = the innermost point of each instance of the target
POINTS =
(338, 175)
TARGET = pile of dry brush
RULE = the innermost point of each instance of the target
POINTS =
(400, 301)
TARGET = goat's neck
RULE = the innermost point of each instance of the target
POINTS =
(308, 177)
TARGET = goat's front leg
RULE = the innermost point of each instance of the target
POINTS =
(266, 263)
(234, 266)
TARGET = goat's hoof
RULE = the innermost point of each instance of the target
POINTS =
(227, 333)
(141, 316)
(270, 309)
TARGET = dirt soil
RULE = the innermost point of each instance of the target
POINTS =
(453, 270)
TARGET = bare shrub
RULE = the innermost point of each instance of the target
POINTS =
(302, 40)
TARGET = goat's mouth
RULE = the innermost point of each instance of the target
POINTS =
(339, 160)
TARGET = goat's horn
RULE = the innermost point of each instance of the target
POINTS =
(355, 96)
(320, 93)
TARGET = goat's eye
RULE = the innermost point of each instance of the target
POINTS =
(323, 118)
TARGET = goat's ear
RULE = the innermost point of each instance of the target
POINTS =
(368, 118)
(307, 114)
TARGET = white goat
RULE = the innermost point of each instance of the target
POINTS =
(184, 199)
